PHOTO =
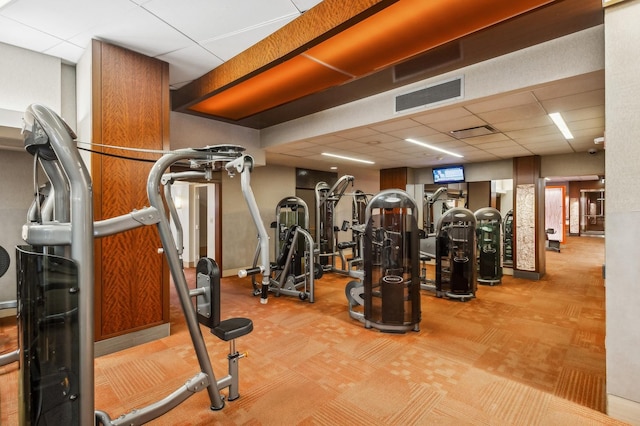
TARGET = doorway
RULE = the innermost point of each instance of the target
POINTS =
(207, 222)
(592, 211)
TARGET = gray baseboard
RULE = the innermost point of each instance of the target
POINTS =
(115, 344)
(529, 275)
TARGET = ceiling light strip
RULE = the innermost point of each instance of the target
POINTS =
(562, 126)
(434, 148)
(324, 64)
(347, 158)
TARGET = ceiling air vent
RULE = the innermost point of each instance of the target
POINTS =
(472, 132)
(448, 90)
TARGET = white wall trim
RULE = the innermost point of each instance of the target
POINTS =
(623, 409)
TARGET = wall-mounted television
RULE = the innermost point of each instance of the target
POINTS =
(449, 174)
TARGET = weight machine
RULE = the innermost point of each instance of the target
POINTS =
(295, 269)
(386, 295)
(56, 279)
(488, 224)
(456, 264)
(507, 239)
(326, 200)
(435, 205)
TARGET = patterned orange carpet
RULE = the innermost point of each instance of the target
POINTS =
(521, 353)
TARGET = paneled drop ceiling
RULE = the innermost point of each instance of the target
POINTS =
(198, 36)
(520, 118)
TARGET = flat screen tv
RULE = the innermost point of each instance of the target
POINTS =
(449, 174)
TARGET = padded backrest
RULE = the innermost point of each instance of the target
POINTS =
(5, 261)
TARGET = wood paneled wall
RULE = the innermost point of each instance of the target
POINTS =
(479, 195)
(397, 178)
(130, 108)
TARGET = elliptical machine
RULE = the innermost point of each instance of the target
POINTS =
(456, 264)
(386, 295)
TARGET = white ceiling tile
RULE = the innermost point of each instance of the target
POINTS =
(377, 137)
(520, 112)
(501, 102)
(458, 124)
(498, 144)
(510, 152)
(556, 144)
(394, 125)
(551, 150)
(395, 145)
(369, 149)
(357, 133)
(542, 140)
(583, 113)
(326, 139)
(346, 144)
(301, 145)
(441, 115)
(413, 132)
(593, 123)
(551, 130)
(577, 101)
(481, 156)
(436, 138)
(189, 63)
(479, 140)
(520, 124)
(16, 34)
(75, 17)
(139, 31)
(66, 51)
(571, 86)
(229, 45)
(300, 153)
(204, 20)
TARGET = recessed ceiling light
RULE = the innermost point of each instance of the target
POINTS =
(562, 126)
(348, 158)
(434, 148)
(334, 167)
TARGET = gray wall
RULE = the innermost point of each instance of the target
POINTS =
(26, 77)
(622, 107)
(16, 194)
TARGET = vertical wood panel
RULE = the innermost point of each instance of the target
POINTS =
(393, 178)
(132, 111)
(478, 195)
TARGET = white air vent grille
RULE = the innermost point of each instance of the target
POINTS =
(447, 90)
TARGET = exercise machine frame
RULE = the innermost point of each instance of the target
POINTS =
(488, 229)
(386, 295)
(72, 232)
(327, 197)
(456, 260)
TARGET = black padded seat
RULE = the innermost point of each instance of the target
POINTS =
(233, 328)
(346, 244)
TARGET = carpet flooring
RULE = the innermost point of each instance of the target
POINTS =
(521, 353)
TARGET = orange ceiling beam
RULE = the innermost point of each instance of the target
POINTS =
(399, 31)
(316, 24)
